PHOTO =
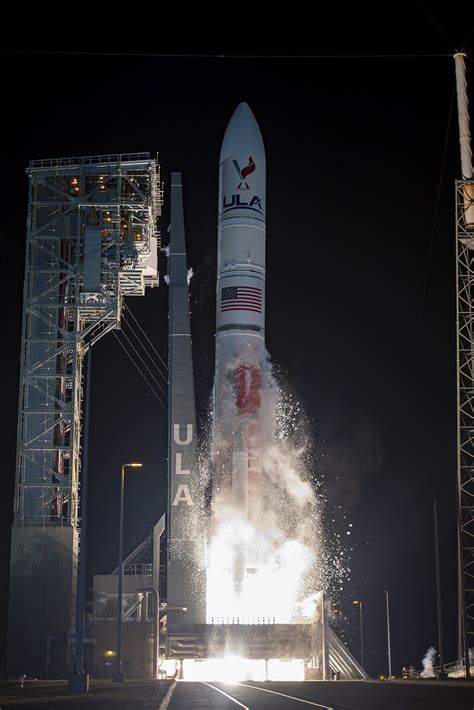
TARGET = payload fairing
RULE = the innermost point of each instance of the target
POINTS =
(241, 234)
(240, 320)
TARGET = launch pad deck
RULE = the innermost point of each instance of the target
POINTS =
(253, 641)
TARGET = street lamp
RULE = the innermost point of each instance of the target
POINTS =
(358, 602)
(389, 649)
(119, 676)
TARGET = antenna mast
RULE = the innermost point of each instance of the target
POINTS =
(465, 370)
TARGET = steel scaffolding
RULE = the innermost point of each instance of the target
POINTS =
(465, 402)
(92, 239)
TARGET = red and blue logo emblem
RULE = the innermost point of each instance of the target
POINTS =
(243, 173)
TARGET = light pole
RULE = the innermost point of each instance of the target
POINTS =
(358, 602)
(389, 649)
(438, 594)
(119, 676)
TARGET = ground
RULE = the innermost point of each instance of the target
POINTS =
(42, 695)
(342, 695)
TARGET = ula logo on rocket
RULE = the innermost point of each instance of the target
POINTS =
(238, 201)
(244, 172)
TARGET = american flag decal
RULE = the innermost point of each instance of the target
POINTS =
(241, 298)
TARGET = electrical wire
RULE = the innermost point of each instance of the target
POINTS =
(144, 363)
(127, 310)
(438, 196)
(146, 350)
(467, 40)
(164, 55)
(437, 25)
(140, 372)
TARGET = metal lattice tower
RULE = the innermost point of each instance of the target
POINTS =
(465, 399)
(92, 239)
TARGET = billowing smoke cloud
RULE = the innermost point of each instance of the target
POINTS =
(428, 663)
(276, 536)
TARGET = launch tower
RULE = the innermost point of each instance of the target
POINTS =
(465, 371)
(92, 240)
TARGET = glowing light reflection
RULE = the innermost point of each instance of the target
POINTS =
(232, 669)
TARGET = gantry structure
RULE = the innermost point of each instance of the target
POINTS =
(465, 370)
(92, 240)
(465, 407)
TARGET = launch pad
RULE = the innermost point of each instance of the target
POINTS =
(186, 636)
(192, 644)
(92, 241)
(252, 641)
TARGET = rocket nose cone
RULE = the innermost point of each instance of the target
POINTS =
(242, 134)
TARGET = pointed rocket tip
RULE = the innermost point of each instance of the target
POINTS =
(242, 109)
(242, 133)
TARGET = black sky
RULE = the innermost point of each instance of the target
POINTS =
(360, 289)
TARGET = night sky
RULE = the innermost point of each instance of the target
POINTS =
(360, 280)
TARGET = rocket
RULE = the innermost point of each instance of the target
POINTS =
(240, 318)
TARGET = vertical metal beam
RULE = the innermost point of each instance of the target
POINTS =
(82, 572)
(389, 644)
(119, 675)
(438, 592)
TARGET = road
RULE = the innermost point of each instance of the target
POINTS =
(355, 695)
(103, 695)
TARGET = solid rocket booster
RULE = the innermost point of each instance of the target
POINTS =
(240, 313)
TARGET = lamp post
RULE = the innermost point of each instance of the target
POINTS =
(438, 594)
(389, 648)
(358, 602)
(119, 677)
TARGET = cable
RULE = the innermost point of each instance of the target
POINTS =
(140, 371)
(124, 347)
(227, 56)
(437, 25)
(146, 336)
(144, 364)
(147, 352)
(435, 218)
(467, 40)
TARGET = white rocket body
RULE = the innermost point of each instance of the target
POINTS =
(241, 228)
(240, 317)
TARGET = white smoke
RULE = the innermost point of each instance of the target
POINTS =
(281, 527)
(428, 663)
(190, 274)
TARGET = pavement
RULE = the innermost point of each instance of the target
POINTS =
(341, 695)
(269, 695)
(103, 695)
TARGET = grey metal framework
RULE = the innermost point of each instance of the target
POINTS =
(465, 402)
(92, 239)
